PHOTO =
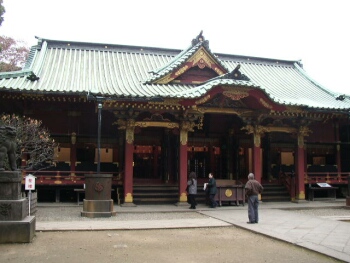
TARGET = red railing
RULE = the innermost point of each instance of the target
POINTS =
(289, 180)
(327, 177)
(67, 177)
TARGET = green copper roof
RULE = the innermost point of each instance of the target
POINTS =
(65, 67)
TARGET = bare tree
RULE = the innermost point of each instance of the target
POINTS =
(33, 141)
(13, 54)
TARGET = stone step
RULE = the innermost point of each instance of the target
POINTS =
(161, 194)
(275, 193)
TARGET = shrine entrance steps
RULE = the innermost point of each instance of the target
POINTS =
(161, 194)
(155, 194)
(275, 193)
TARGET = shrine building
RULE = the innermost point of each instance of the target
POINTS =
(163, 113)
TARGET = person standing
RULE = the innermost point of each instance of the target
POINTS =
(192, 189)
(212, 190)
(252, 189)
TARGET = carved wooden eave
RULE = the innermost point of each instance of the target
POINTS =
(251, 129)
(42, 97)
(222, 97)
(227, 101)
(239, 112)
(157, 120)
(127, 113)
(239, 95)
(281, 129)
(159, 124)
(122, 124)
(168, 104)
(316, 116)
(195, 119)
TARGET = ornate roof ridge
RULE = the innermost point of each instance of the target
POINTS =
(170, 51)
(196, 43)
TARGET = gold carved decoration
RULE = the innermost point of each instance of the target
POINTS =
(294, 109)
(301, 195)
(265, 104)
(165, 80)
(235, 94)
(238, 112)
(257, 131)
(202, 100)
(217, 70)
(201, 57)
(181, 70)
(301, 142)
(121, 124)
(128, 198)
(281, 129)
(129, 133)
(183, 197)
(185, 127)
(166, 102)
(228, 192)
(169, 125)
(257, 139)
(201, 64)
(303, 131)
(183, 137)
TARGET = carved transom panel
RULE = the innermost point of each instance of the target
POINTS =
(224, 102)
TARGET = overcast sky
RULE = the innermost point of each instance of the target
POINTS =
(313, 31)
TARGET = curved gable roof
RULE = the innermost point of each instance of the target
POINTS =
(177, 64)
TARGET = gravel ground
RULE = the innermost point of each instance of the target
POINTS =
(203, 245)
(228, 244)
(73, 214)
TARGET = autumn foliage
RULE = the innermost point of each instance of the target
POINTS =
(13, 54)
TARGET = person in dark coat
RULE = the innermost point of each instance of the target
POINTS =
(211, 185)
(192, 190)
(252, 190)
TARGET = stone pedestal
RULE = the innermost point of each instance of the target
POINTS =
(15, 224)
(22, 231)
(98, 202)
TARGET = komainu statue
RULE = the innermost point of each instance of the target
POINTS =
(8, 147)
